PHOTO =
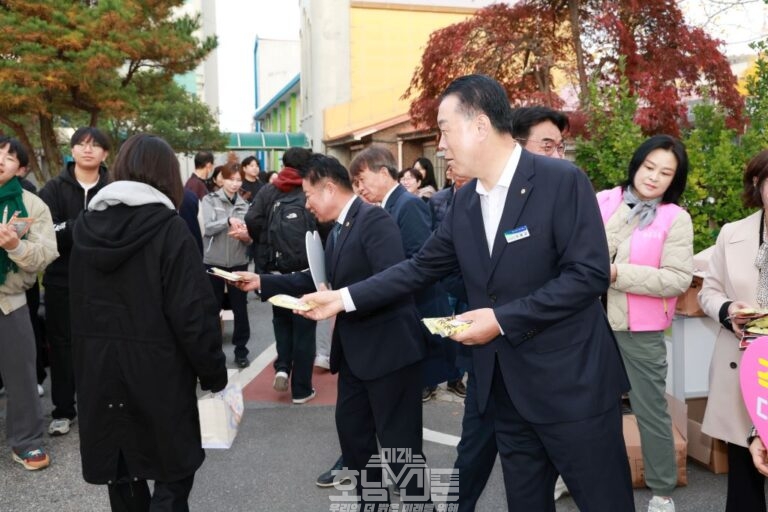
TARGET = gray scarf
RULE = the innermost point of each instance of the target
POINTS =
(761, 262)
(643, 210)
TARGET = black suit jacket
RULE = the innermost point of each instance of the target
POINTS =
(377, 342)
(415, 222)
(558, 355)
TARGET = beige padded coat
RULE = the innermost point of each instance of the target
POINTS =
(732, 275)
(34, 253)
(671, 279)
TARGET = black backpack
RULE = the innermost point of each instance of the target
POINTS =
(287, 225)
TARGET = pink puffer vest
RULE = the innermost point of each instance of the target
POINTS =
(645, 248)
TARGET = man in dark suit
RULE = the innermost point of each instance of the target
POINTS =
(374, 169)
(528, 239)
(377, 355)
(375, 172)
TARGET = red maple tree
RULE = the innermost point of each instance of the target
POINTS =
(668, 62)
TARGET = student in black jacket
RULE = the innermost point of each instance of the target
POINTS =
(145, 329)
(67, 195)
(295, 337)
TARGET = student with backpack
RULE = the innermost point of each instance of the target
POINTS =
(278, 220)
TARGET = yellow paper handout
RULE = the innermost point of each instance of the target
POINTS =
(289, 302)
(446, 326)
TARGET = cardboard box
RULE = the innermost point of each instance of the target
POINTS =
(688, 303)
(710, 453)
(678, 412)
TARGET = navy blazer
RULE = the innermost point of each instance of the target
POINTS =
(558, 356)
(415, 222)
(439, 204)
(374, 343)
(412, 213)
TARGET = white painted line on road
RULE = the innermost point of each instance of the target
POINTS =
(257, 365)
(440, 438)
(270, 353)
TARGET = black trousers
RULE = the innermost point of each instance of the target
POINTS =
(238, 301)
(477, 451)
(295, 338)
(58, 331)
(746, 486)
(388, 408)
(589, 454)
(135, 497)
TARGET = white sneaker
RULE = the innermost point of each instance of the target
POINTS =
(323, 362)
(40, 390)
(281, 382)
(560, 488)
(60, 426)
(659, 504)
(299, 401)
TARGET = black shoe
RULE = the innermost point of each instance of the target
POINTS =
(428, 393)
(242, 362)
(457, 388)
(327, 478)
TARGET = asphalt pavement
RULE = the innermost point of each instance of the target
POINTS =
(278, 453)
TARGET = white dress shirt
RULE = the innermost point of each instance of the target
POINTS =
(491, 205)
(492, 201)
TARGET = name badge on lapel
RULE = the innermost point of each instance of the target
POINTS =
(513, 235)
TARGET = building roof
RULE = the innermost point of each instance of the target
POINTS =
(364, 131)
(267, 140)
(291, 87)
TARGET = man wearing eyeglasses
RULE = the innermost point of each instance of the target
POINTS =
(67, 195)
(540, 130)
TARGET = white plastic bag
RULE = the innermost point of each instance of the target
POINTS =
(220, 415)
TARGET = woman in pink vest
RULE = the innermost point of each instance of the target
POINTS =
(650, 240)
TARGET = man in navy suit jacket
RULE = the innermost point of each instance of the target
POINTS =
(376, 354)
(375, 171)
(528, 239)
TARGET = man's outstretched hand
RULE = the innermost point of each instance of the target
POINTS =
(484, 327)
(326, 304)
(250, 281)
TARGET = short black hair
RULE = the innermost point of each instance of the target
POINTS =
(482, 94)
(149, 159)
(321, 167)
(247, 161)
(202, 158)
(216, 171)
(669, 143)
(16, 148)
(525, 118)
(296, 158)
(86, 133)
